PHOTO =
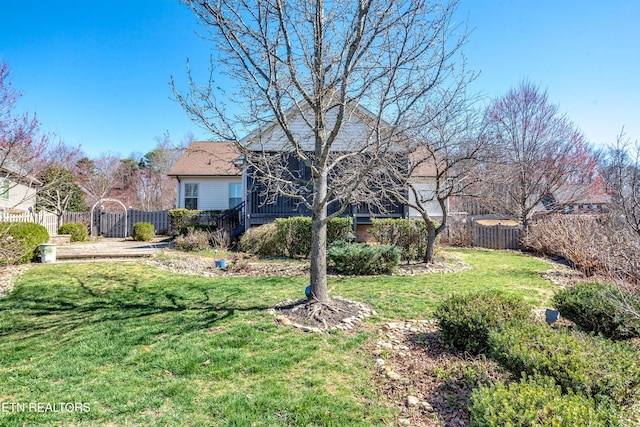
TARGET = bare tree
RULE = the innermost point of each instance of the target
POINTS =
(97, 177)
(154, 189)
(334, 86)
(440, 156)
(22, 145)
(61, 193)
(538, 152)
(622, 172)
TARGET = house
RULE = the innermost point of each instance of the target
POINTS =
(576, 199)
(213, 175)
(209, 176)
(17, 191)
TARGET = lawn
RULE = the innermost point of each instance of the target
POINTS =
(140, 346)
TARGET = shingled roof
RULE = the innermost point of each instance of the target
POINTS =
(206, 158)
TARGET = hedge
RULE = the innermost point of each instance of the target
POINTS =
(262, 241)
(600, 308)
(408, 234)
(363, 259)
(31, 235)
(587, 364)
(465, 320)
(293, 234)
(78, 232)
(181, 217)
(536, 402)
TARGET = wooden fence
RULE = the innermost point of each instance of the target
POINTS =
(108, 224)
(46, 219)
(120, 224)
(495, 236)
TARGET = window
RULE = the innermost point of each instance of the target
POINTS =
(191, 196)
(235, 195)
(4, 189)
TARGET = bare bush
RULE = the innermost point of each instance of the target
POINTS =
(194, 240)
(595, 245)
(222, 239)
(578, 239)
(10, 249)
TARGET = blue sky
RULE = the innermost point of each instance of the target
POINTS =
(97, 73)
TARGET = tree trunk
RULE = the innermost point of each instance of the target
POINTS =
(431, 243)
(319, 291)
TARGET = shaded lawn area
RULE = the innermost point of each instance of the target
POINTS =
(146, 347)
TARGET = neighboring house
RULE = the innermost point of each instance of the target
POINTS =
(17, 192)
(211, 175)
(576, 199)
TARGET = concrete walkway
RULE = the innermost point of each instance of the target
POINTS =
(110, 248)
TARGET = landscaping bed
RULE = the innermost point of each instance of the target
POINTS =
(428, 383)
(240, 264)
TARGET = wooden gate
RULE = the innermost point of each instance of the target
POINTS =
(120, 224)
(497, 236)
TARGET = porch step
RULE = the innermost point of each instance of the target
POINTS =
(64, 255)
(110, 249)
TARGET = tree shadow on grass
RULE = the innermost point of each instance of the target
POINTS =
(36, 311)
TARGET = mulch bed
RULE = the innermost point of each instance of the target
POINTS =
(338, 313)
(248, 266)
(429, 383)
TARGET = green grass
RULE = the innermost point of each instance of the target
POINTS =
(145, 347)
(417, 296)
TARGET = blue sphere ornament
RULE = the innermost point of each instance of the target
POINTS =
(307, 291)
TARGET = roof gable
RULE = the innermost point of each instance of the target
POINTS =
(356, 130)
(208, 158)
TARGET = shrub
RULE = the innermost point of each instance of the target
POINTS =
(31, 235)
(536, 402)
(591, 365)
(294, 234)
(194, 240)
(143, 232)
(465, 320)
(363, 259)
(593, 244)
(181, 217)
(408, 234)
(222, 239)
(581, 240)
(77, 231)
(11, 250)
(202, 227)
(600, 308)
(261, 241)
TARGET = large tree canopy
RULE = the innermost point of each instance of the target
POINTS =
(310, 68)
(537, 152)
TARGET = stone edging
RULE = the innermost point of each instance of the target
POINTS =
(348, 323)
